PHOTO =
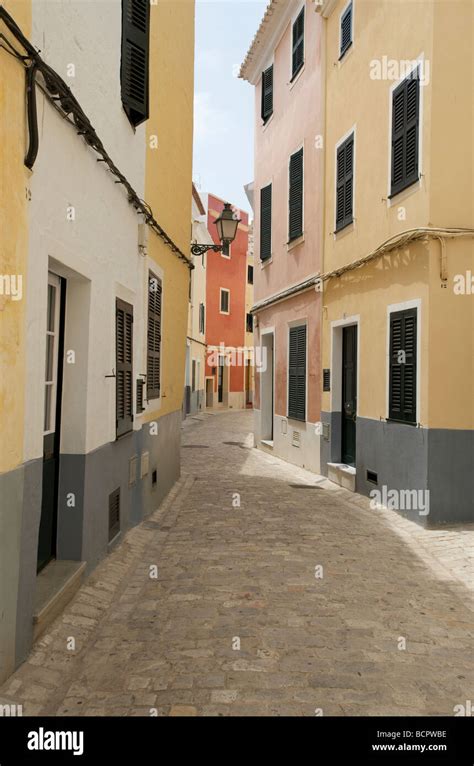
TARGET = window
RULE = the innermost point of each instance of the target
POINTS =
(267, 94)
(249, 323)
(346, 31)
(298, 45)
(297, 373)
(405, 129)
(154, 336)
(52, 352)
(135, 59)
(225, 301)
(124, 367)
(402, 385)
(250, 275)
(344, 183)
(202, 318)
(266, 223)
(226, 251)
(295, 228)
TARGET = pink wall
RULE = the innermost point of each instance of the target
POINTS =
(297, 120)
(305, 308)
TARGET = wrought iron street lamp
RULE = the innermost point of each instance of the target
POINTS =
(227, 224)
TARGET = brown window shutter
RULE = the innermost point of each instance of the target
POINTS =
(155, 290)
(124, 367)
(135, 59)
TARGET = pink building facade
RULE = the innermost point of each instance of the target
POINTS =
(284, 64)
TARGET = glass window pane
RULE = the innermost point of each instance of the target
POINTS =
(49, 357)
(51, 306)
(47, 407)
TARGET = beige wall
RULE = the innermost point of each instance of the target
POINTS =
(443, 33)
(13, 240)
(169, 181)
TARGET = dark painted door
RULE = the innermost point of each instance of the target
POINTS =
(220, 382)
(349, 394)
(52, 419)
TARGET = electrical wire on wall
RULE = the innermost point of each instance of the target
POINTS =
(63, 100)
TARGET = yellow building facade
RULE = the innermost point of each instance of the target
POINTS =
(398, 308)
(13, 258)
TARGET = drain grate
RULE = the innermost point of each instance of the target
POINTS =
(236, 444)
(195, 446)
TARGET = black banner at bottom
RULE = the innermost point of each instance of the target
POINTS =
(141, 740)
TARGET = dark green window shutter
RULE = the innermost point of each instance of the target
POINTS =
(405, 128)
(140, 386)
(202, 318)
(267, 93)
(154, 337)
(135, 59)
(295, 228)
(124, 367)
(346, 31)
(344, 183)
(402, 386)
(298, 45)
(114, 514)
(297, 373)
(266, 223)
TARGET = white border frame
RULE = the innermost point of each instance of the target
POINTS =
(352, 130)
(417, 185)
(392, 308)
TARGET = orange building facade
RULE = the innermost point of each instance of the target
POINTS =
(226, 318)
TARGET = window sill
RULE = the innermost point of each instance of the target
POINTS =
(267, 122)
(296, 76)
(345, 228)
(123, 436)
(402, 422)
(266, 262)
(346, 50)
(295, 242)
(409, 185)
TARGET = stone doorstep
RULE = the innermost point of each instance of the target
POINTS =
(342, 474)
(55, 587)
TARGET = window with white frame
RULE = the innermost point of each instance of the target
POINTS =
(224, 301)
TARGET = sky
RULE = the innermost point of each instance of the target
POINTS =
(223, 105)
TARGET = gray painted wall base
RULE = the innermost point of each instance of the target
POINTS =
(408, 458)
(85, 483)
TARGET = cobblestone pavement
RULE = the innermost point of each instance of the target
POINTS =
(295, 601)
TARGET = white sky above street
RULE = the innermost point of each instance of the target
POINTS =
(223, 109)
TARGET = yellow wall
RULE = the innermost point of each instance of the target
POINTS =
(366, 292)
(13, 240)
(443, 32)
(169, 178)
(451, 340)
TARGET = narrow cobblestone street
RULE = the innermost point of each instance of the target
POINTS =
(320, 593)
